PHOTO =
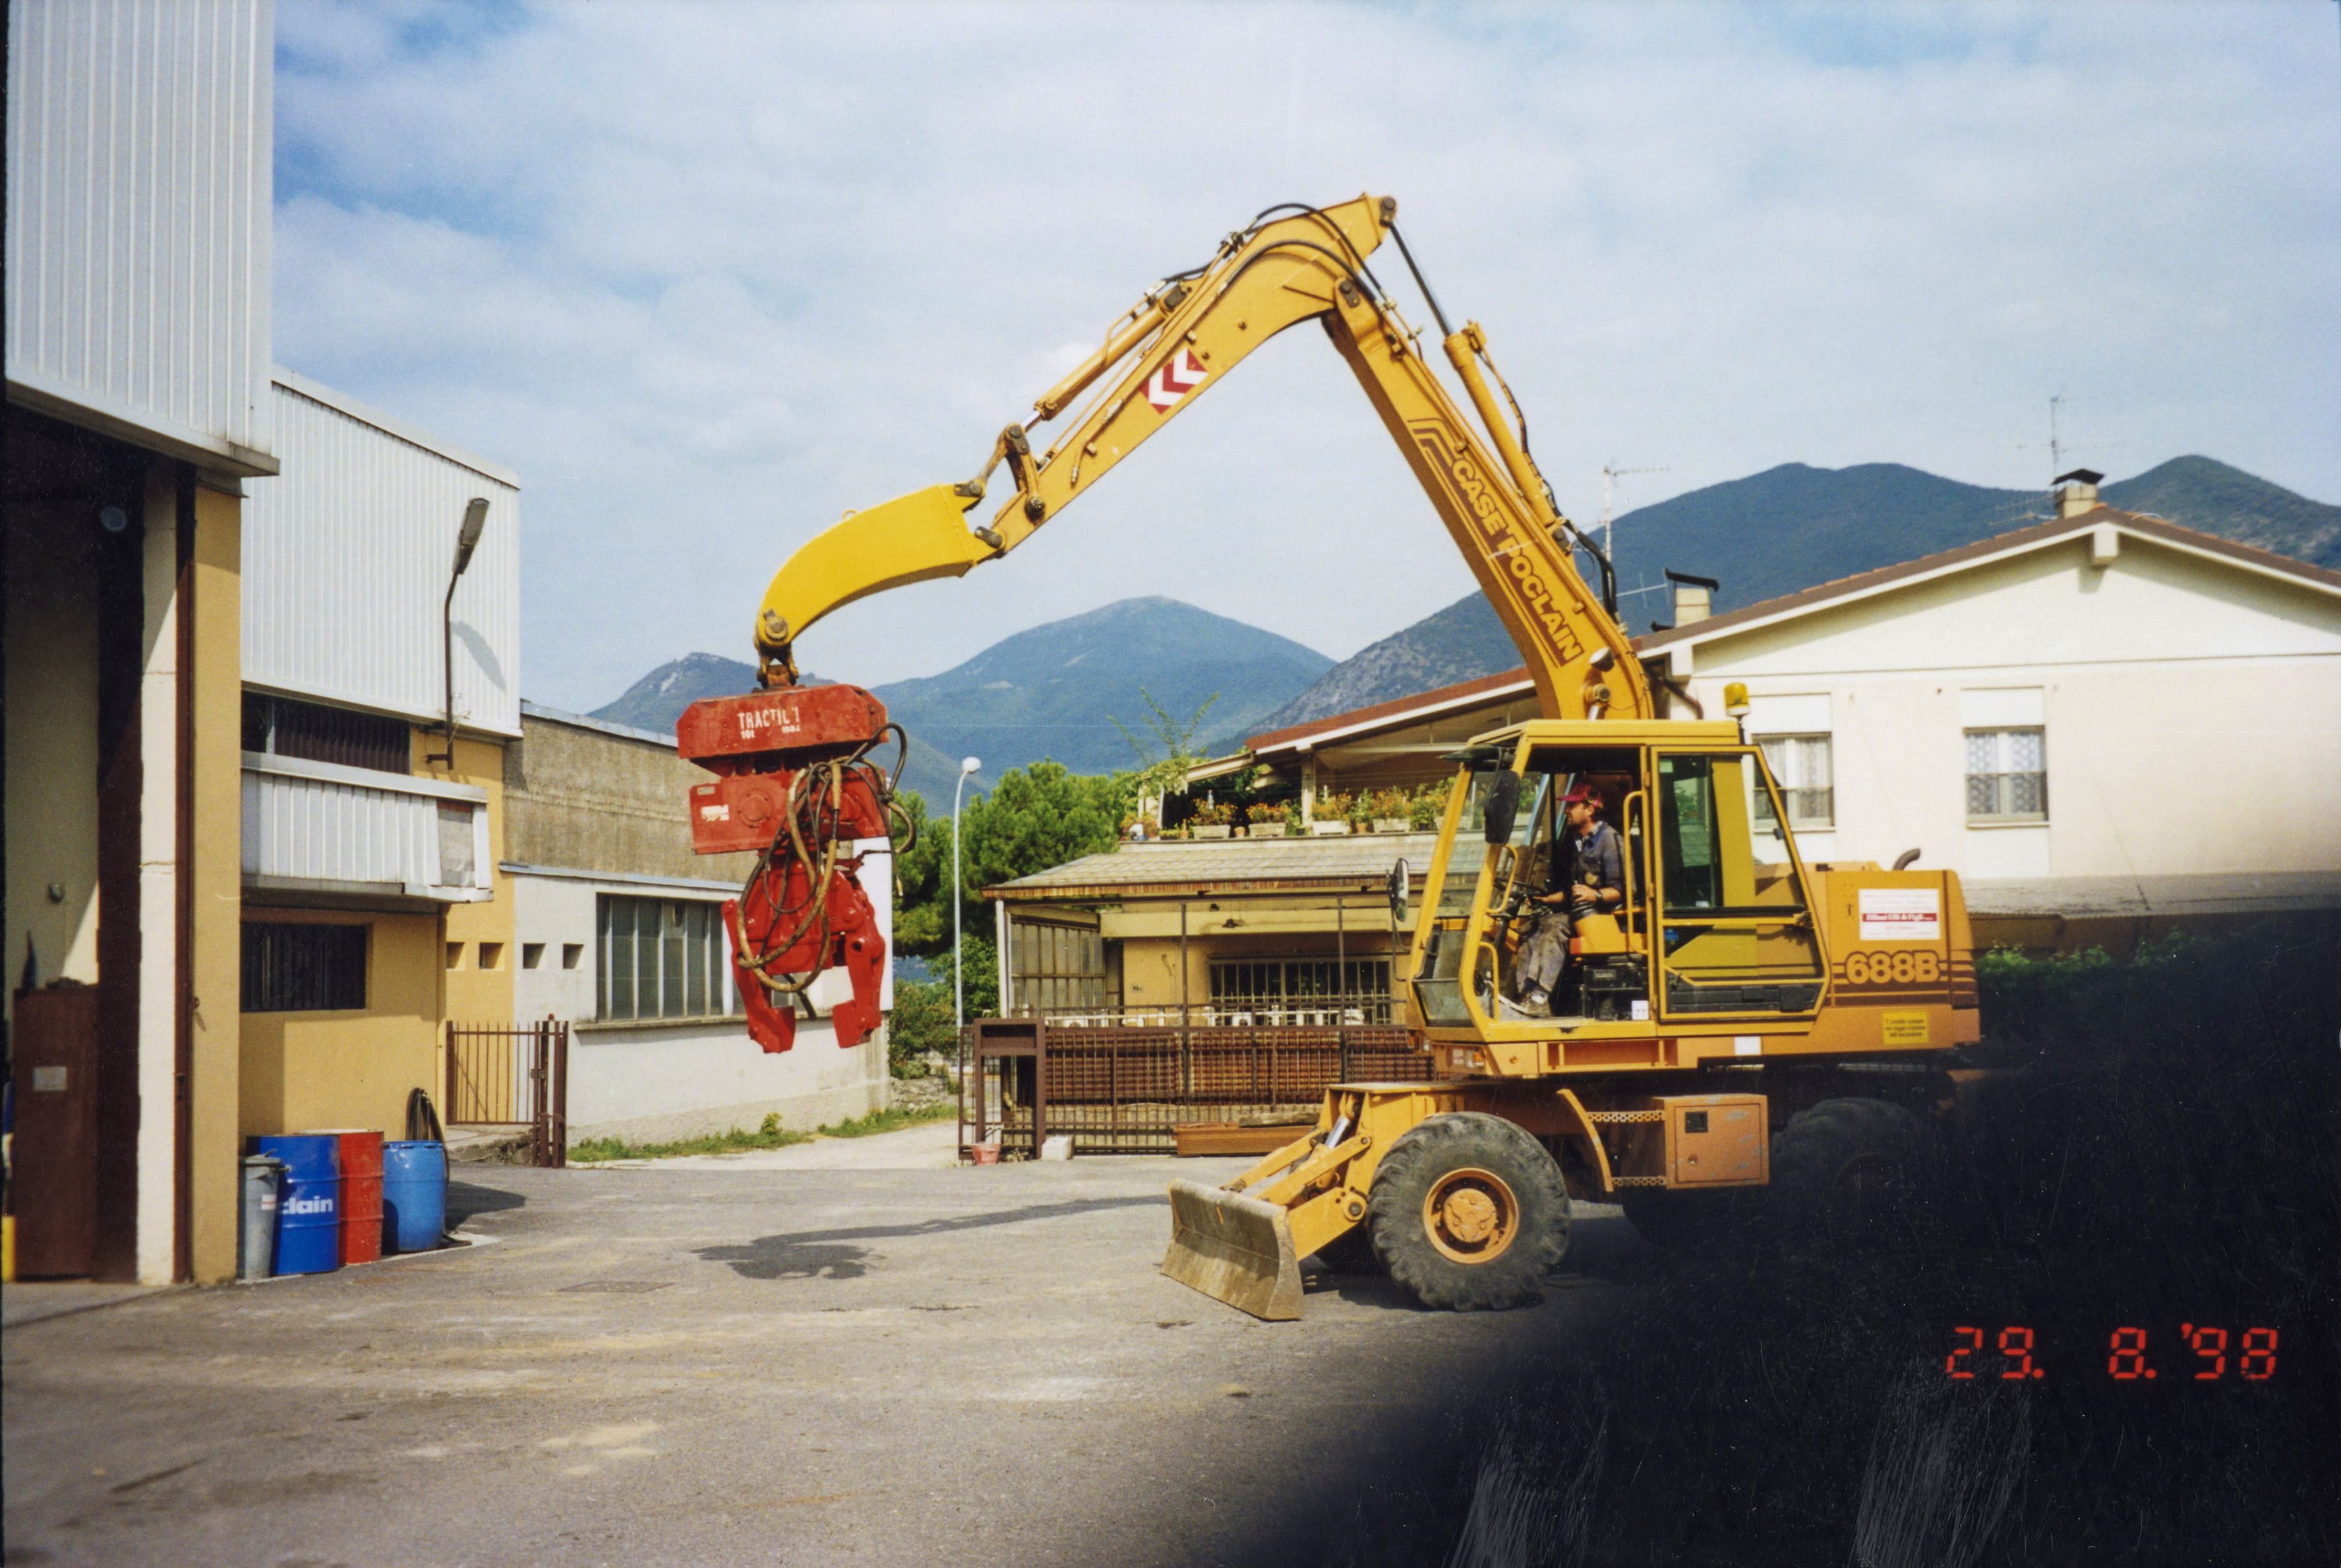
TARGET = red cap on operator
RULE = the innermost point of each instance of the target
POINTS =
(1582, 792)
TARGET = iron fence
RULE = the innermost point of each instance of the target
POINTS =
(1123, 1087)
(513, 1075)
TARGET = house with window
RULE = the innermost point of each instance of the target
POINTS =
(620, 936)
(379, 658)
(2107, 723)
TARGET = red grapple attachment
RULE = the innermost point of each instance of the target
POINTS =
(792, 786)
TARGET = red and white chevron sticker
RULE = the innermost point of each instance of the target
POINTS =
(1181, 375)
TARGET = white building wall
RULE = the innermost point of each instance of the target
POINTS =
(139, 205)
(2191, 708)
(345, 564)
(652, 1081)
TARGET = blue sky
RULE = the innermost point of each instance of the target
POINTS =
(710, 274)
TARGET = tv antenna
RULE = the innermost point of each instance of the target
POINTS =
(1610, 474)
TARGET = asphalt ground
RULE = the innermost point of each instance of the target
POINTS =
(718, 1365)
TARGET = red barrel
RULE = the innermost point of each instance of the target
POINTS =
(359, 1153)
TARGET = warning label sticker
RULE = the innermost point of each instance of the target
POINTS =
(1906, 1028)
(1901, 914)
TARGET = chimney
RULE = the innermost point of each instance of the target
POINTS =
(1694, 597)
(2077, 492)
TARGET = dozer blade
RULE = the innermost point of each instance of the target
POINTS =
(1235, 1249)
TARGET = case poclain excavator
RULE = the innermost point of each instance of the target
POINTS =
(1735, 987)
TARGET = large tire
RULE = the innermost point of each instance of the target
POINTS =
(1854, 1174)
(1469, 1214)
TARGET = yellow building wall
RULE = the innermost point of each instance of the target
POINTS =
(477, 961)
(217, 877)
(310, 1070)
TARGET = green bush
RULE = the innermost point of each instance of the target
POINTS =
(922, 1020)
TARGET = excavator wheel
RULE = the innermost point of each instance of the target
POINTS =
(1853, 1173)
(1469, 1214)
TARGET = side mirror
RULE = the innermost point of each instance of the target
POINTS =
(1399, 878)
(1503, 806)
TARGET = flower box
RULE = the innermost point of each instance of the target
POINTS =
(1213, 830)
(1391, 825)
(1329, 830)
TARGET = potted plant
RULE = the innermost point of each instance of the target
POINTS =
(1265, 822)
(1332, 813)
(1387, 809)
(1426, 806)
(1362, 812)
(1213, 819)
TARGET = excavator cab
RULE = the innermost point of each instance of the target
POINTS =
(1716, 920)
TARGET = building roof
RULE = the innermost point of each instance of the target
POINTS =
(1176, 868)
(1404, 710)
(2017, 541)
(622, 731)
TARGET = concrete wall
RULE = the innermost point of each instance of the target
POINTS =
(674, 1079)
(585, 799)
(51, 746)
(213, 858)
(2159, 677)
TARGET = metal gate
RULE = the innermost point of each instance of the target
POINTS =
(502, 1075)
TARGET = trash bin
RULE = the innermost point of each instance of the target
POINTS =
(414, 1194)
(263, 1180)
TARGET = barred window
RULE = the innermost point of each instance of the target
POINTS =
(1055, 969)
(1801, 766)
(304, 968)
(662, 959)
(1273, 986)
(282, 726)
(2007, 776)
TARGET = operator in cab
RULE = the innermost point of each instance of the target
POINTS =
(1589, 878)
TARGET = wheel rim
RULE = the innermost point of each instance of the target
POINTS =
(1472, 1216)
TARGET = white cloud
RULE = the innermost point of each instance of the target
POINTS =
(708, 275)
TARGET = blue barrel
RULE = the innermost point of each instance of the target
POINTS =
(309, 1214)
(414, 1194)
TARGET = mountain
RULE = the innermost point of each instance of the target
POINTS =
(656, 701)
(1056, 691)
(1793, 526)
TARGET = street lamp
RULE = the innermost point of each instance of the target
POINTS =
(959, 975)
(467, 539)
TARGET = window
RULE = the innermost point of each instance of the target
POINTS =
(572, 954)
(302, 968)
(1276, 986)
(661, 958)
(2007, 776)
(1800, 766)
(1735, 939)
(492, 955)
(284, 727)
(532, 955)
(454, 955)
(1055, 969)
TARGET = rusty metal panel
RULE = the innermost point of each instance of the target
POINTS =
(140, 202)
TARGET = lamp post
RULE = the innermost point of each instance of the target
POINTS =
(967, 766)
(467, 539)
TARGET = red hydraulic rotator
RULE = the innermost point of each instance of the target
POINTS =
(794, 784)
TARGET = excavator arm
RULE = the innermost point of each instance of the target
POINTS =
(794, 779)
(1180, 340)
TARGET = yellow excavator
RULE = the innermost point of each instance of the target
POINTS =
(1721, 986)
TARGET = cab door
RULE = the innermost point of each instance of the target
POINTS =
(1737, 936)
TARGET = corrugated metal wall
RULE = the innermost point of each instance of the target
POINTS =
(140, 139)
(346, 561)
(327, 832)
